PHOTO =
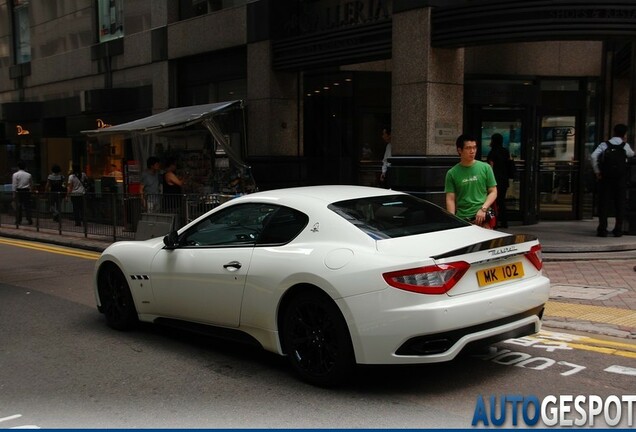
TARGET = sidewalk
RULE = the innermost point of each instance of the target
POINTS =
(593, 279)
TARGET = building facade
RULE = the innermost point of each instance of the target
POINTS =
(321, 79)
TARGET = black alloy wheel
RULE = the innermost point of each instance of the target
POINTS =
(317, 341)
(115, 298)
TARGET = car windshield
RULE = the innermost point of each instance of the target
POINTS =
(390, 216)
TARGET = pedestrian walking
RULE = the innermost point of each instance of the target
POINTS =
(22, 184)
(151, 186)
(609, 162)
(55, 188)
(76, 191)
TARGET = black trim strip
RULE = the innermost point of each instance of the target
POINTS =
(489, 244)
(442, 342)
(209, 330)
(497, 21)
(350, 45)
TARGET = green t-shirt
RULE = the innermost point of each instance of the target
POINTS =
(470, 186)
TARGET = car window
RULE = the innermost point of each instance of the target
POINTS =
(395, 216)
(282, 226)
(238, 225)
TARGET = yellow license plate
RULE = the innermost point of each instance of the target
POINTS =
(500, 274)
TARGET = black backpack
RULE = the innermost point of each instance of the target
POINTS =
(57, 185)
(613, 163)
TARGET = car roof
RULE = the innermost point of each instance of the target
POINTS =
(325, 193)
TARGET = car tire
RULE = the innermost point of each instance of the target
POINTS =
(317, 340)
(115, 298)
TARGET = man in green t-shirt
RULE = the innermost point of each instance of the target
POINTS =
(470, 185)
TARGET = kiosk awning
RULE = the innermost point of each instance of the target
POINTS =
(174, 118)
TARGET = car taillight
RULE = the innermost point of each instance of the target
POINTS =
(435, 279)
(535, 256)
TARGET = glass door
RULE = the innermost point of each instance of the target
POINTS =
(511, 124)
(558, 167)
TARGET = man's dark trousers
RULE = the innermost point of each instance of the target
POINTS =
(612, 191)
(23, 202)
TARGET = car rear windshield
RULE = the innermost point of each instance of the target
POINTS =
(391, 216)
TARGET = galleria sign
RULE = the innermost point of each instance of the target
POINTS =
(320, 16)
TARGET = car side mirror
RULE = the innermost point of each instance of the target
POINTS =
(171, 240)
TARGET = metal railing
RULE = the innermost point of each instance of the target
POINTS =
(114, 216)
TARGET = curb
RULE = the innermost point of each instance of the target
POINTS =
(79, 243)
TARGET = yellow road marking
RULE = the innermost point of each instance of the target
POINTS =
(602, 350)
(586, 343)
(601, 314)
(52, 249)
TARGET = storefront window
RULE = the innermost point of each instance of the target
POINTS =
(106, 160)
(193, 8)
(110, 16)
(229, 90)
(344, 115)
(21, 31)
(202, 80)
(5, 38)
(21, 149)
(590, 142)
(202, 163)
(511, 131)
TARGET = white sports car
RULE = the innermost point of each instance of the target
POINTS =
(331, 276)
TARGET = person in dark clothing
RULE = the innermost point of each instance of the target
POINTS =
(55, 189)
(612, 185)
(172, 184)
(499, 159)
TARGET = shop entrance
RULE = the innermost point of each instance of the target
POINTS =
(546, 149)
(549, 127)
(559, 166)
(512, 124)
(344, 114)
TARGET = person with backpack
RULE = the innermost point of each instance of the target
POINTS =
(55, 188)
(609, 162)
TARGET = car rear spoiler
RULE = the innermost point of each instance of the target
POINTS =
(501, 244)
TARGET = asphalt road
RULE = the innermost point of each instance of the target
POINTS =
(61, 367)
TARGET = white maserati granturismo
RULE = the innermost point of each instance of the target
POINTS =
(331, 277)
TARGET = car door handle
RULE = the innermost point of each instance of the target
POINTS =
(232, 266)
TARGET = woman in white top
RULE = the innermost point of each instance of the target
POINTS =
(76, 191)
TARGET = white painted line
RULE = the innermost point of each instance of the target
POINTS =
(623, 370)
(26, 427)
(13, 417)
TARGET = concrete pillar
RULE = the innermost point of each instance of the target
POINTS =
(272, 110)
(427, 89)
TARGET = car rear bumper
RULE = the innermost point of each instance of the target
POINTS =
(387, 328)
